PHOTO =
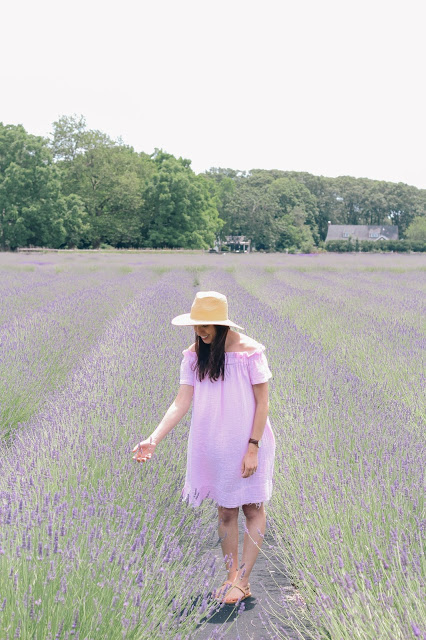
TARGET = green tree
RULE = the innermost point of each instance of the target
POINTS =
(110, 181)
(31, 202)
(274, 212)
(74, 220)
(109, 178)
(71, 138)
(416, 231)
(292, 236)
(296, 201)
(348, 200)
(179, 210)
(223, 194)
(253, 213)
(405, 203)
(364, 201)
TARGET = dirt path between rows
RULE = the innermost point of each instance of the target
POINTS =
(267, 583)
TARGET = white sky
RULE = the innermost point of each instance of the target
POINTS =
(333, 87)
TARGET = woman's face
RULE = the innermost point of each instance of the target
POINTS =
(207, 332)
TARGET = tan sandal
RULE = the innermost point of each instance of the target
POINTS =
(245, 591)
(219, 593)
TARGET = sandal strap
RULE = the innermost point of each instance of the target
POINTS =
(225, 583)
(223, 586)
(243, 589)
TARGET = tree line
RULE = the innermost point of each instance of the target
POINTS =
(81, 189)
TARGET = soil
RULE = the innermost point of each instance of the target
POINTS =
(268, 585)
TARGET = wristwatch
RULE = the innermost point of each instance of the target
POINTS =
(258, 443)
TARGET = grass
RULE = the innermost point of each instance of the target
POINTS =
(197, 271)
(161, 270)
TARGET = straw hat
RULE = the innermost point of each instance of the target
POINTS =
(209, 307)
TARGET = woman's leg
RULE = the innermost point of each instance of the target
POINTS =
(228, 535)
(255, 522)
(256, 526)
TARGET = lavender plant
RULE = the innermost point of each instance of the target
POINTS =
(92, 545)
(49, 322)
(349, 502)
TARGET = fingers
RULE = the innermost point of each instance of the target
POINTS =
(142, 458)
(248, 472)
(145, 445)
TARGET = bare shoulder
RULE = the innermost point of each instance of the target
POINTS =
(192, 347)
(240, 342)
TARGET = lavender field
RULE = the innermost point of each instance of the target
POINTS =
(94, 546)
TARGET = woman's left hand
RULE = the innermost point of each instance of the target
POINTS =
(249, 464)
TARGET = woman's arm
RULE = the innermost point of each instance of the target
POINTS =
(179, 407)
(261, 396)
(174, 413)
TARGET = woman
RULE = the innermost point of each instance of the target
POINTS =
(226, 374)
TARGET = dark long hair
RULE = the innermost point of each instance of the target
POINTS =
(211, 357)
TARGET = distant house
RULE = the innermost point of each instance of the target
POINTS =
(238, 244)
(371, 232)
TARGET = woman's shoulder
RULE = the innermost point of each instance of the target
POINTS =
(242, 343)
(190, 349)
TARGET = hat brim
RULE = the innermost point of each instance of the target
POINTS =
(185, 320)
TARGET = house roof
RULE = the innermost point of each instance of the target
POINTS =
(362, 231)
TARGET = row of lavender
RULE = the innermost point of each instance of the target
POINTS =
(91, 544)
(92, 547)
(348, 408)
(49, 318)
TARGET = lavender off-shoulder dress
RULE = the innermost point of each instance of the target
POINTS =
(221, 425)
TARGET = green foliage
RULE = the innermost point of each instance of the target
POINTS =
(419, 245)
(365, 246)
(30, 191)
(74, 219)
(347, 200)
(272, 207)
(337, 245)
(69, 137)
(296, 201)
(416, 231)
(400, 246)
(108, 178)
(178, 211)
(82, 189)
(274, 214)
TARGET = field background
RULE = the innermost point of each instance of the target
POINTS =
(94, 546)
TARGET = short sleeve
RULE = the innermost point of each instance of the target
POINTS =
(186, 372)
(258, 368)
